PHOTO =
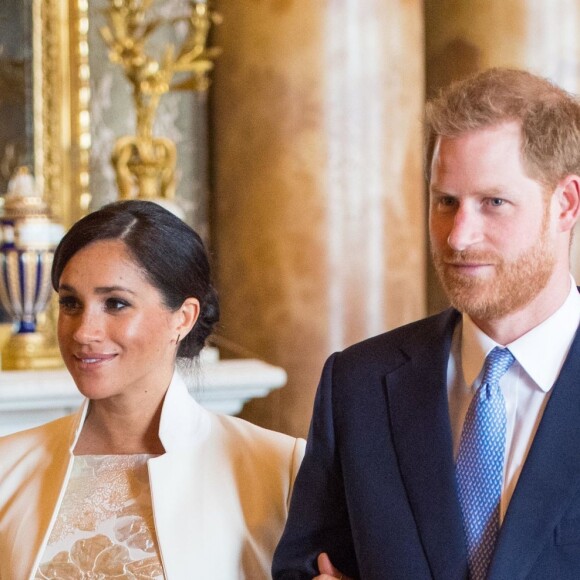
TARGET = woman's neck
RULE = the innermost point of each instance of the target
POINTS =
(113, 429)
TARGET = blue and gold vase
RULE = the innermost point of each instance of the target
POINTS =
(28, 237)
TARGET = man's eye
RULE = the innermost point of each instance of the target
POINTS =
(496, 201)
(445, 203)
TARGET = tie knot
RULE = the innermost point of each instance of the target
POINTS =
(497, 362)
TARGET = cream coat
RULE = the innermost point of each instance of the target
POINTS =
(220, 492)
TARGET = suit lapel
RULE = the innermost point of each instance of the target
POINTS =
(548, 481)
(419, 412)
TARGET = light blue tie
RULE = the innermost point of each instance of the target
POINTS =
(479, 468)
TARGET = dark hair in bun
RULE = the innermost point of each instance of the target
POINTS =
(171, 254)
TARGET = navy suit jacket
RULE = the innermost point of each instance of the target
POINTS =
(377, 488)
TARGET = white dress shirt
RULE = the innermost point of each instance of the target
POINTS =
(526, 387)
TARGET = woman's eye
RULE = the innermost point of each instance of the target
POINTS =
(68, 303)
(115, 304)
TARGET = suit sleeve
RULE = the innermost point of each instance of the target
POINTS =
(318, 518)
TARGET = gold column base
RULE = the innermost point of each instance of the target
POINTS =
(30, 351)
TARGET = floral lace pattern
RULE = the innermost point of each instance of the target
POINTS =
(104, 527)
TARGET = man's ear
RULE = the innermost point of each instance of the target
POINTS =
(188, 314)
(567, 206)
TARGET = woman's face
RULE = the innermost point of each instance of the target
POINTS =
(116, 336)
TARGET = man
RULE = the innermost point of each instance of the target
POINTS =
(450, 448)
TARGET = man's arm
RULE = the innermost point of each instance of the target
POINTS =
(318, 520)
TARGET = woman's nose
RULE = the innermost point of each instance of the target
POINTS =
(89, 328)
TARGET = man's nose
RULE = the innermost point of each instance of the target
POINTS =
(466, 230)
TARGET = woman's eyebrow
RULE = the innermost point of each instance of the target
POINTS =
(99, 289)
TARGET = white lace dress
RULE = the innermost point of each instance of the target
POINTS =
(104, 528)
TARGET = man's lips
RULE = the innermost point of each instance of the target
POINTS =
(468, 264)
(469, 269)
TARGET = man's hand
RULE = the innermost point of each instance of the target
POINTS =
(327, 570)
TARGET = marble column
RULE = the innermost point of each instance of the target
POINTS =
(465, 36)
(318, 206)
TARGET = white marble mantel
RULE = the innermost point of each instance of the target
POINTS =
(30, 398)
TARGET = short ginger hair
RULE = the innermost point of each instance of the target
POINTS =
(549, 118)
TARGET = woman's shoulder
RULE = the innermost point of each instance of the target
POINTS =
(45, 435)
(246, 429)
(251, 438)
(267, 458)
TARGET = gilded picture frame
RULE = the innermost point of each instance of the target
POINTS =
(44, 75)
(61, 105)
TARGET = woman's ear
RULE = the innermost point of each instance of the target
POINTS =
(188, 314)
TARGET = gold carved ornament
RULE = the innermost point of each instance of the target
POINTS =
(144, 164)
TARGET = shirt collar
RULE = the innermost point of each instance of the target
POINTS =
(540, 352)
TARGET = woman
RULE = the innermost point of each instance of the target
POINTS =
(142, 482)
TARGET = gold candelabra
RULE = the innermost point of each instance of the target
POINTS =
(144, 164)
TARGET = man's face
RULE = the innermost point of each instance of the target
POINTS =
(490, 224)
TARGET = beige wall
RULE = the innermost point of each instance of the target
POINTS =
(318, 228)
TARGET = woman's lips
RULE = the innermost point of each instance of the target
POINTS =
(93, 359)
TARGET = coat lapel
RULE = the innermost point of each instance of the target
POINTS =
(419, 412)
(30, 514)
(548, 481)
(198, 519)
(210, 508)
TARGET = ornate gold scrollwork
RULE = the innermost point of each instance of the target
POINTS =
(144, 164)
